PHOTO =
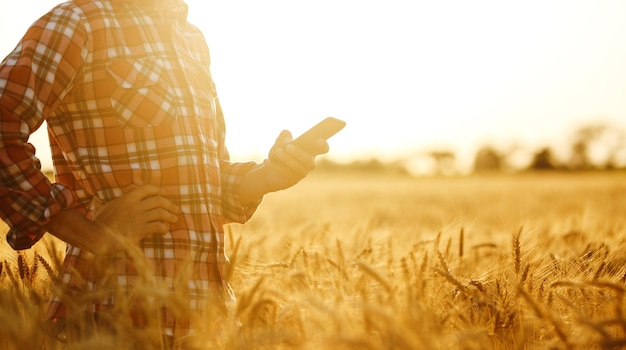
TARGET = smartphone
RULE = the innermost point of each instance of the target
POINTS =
(322, 130)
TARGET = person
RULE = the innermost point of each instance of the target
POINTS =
(137, 136)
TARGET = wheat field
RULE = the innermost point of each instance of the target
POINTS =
(364, 261)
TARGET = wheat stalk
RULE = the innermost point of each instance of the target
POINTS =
(442, 261)
(23, 267)
(461, 242)
(541, 314)
(376, 276)
(12, 277)
(517, 259)
(246, 299)
(45, 265)
(34, 269)
(448, 276)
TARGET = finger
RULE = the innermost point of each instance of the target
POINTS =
(273, 156)
(300, 158)
(286, 163)
(159, 214)
(284, 137)
(156, 227)
(321, 147)
(291, 163)
(159, 202)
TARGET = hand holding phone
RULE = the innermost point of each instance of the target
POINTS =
(286, 166)
(322, 130)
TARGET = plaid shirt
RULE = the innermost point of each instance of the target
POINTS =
(129, 100)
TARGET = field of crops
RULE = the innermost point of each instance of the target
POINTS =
(389, 262)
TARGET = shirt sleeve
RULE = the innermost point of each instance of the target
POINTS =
(34, 79)
(232, 207)
(231, 174)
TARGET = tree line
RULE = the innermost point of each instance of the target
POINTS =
(591, 147)
(597, 146)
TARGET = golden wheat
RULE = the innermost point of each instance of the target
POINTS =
(365, 262)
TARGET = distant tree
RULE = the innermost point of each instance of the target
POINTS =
(488, 159)
(444, 161)
(584, 137)
(616, 157)
(598, 146)
(543, 160)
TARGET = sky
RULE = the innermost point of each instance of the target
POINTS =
(406, 75)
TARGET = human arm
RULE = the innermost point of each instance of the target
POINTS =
(34, 79)
(245, 184)
(121, 222)
(285, 166)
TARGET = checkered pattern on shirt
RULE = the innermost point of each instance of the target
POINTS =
(129, 100)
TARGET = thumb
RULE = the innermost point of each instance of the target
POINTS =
(283, 139)
(285, 136)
